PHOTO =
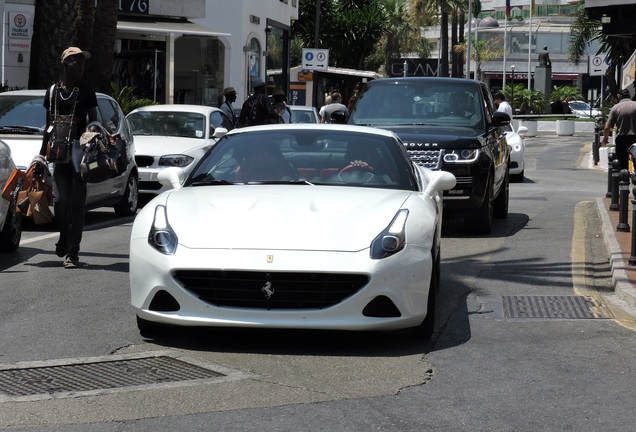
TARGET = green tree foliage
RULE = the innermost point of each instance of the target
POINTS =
(126, 99)
(565, 94)
(350, 29)
(618, 48)
(524, 100)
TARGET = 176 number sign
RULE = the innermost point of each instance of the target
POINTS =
(134, 6)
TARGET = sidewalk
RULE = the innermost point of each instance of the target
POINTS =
(619, 244)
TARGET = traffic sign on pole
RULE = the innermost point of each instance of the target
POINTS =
(597, 64)
(315, 59)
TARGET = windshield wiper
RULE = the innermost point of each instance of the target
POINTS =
(279, 182)
(21, 129)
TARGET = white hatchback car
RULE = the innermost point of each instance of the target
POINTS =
(22, 122)
(304, 114)
(173, 135)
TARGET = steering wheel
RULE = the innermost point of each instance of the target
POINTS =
(357, 167)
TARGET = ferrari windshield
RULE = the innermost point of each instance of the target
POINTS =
(307, 157)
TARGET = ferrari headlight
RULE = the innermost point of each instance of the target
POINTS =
(162, 237)
(392, 239)
(176, 160)
(461, 156)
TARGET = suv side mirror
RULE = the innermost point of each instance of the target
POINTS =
(500, 119)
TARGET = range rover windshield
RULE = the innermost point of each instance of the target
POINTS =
(422, 103)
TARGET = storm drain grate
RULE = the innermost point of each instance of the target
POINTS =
(564, 307)
(85, 377)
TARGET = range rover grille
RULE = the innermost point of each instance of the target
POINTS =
(427, 158)
(262, 290)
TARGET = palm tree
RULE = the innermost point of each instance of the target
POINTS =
(618, 49)
(59, 24)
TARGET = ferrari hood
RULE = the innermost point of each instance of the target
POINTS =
(154, 145)
(295, 217)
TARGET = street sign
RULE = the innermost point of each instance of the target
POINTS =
(597, 64)
(315, 59)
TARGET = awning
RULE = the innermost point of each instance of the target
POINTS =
(164, 27)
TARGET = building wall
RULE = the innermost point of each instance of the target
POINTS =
(245, 20)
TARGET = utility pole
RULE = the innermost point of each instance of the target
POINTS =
(316, 43)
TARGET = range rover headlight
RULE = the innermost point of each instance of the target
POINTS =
(392, 239)
(162, 237)
(461, 156)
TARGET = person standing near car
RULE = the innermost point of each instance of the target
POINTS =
(226, 107)
(69, 96)
(502, 104)
(623, 117)
(335, 105)
(257, 109)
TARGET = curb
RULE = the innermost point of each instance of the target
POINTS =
(622, 286)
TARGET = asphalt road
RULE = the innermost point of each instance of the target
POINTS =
(483, 370)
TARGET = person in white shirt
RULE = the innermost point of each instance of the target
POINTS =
(502, 105)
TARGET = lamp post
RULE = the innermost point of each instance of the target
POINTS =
(512, 89)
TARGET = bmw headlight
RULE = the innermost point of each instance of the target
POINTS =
(162, 237)
(461, 156)
(176, 160)
(392, 239)
(516, 148)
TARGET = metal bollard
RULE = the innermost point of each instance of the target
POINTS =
(616, 165)
(597, 143)
(623, 204)
(610, 158)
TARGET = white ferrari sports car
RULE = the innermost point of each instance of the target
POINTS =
(297, 226)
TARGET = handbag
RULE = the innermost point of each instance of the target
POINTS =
(99, 159)
(58, 148)
(39, 201)
(15, 180)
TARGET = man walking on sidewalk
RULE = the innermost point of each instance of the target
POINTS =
(623, 117)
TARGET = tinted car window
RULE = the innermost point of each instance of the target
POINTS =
(109, 114)
(22, 111)
(217, 119)
(439, 105)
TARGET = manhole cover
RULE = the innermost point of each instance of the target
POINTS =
(89, 376)
(564, 307)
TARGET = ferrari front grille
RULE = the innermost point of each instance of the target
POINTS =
(263, 290)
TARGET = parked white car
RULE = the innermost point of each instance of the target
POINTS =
(173, 135)
(514, 137)
(292, 226)
(304, 114)
(22, 121)
(10, 220)
(583, 109)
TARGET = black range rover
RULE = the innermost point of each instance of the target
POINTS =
(450, 124)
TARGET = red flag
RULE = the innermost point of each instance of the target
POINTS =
(508, 8)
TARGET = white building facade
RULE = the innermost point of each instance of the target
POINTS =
(183, 51)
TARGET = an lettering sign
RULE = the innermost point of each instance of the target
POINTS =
(415, 67)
